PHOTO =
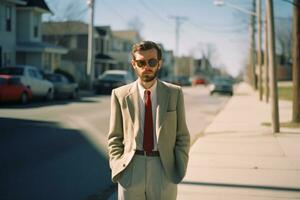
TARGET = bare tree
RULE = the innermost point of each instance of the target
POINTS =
(68, 10)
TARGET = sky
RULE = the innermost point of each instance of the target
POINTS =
(224, 28)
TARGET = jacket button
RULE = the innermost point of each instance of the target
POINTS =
(124, 165)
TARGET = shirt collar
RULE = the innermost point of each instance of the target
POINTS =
(142, 89)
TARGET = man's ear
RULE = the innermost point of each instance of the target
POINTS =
(160, 64)
(133, 64)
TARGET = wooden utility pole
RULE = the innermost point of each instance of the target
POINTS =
(252, 59)
(259, 57)
(90, 55)
(178, 22)
(296, 62)
(266, 63)
(273, 67)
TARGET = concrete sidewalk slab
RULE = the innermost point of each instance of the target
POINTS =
(240, 158)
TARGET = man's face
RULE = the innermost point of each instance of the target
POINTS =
(146, 64)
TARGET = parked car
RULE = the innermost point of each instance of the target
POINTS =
(11, 89)
(111, 79)
(222, 86)
(178, 80)
(63, 88)
(32, 78)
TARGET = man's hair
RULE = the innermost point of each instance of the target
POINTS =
(146, 45)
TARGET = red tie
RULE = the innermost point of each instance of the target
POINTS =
(148, 124)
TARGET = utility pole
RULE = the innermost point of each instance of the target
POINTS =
(251, 70)
(259, 57)
(178, 22)
(273, 67)
(90, 54)
(266, 63)
(296, 62)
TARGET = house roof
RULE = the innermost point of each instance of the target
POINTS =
(64, 28)
(131, 35)
(40, 47)
(103, 56)
(103, 30)
(36, 3)
(20, 2)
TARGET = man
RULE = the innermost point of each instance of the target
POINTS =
(148, 140)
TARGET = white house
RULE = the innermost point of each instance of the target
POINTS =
(21, 38)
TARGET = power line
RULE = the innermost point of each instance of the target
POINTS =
(291, 2)
(114, 10)
(153, 11)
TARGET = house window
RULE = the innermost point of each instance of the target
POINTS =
(8, 16)
(35, 31)
(36, 26)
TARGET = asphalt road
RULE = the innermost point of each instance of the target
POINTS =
(57, 150)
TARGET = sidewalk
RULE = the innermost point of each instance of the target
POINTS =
(239, 159)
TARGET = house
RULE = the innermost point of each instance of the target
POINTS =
(72, 35)
(185, 66)
(111, 48)
(21, 38)
(204, 68)
(121, 47)
(103, 59)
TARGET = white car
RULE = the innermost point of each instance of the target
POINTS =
(32, 78)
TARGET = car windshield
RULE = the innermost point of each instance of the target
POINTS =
(53, 78)
(221, 81)
(17, 71)
(115, 77)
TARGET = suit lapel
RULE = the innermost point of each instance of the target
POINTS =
(162, 104)
(133, 104)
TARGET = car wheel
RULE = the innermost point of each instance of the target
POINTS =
(24, 98)
(49, 95)
(74, 94)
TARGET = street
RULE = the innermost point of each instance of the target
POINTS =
(58, 150)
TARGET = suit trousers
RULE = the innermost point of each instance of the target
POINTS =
(144, 179)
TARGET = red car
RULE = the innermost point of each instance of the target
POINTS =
(199, 81)
(11, 89)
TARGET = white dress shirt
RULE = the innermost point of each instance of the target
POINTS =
(141, 90)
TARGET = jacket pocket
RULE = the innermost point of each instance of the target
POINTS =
(125, 177)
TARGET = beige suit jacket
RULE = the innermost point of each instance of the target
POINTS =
(172, 132)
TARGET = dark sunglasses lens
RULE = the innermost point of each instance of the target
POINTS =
(152, 62)
(140, 63)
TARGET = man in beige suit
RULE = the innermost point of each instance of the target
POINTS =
(148, 140)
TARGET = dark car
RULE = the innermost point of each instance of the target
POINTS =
(222, 86)
(177, 80)
(63, 87)
(11, 89)
(111, 79)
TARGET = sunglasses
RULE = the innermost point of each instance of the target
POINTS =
(151, 63)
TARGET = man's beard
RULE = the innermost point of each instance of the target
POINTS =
(148, 77)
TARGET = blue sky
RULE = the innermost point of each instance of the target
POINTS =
(224, 27)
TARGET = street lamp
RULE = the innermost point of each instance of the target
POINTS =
(271, 53)
(222, 3)
(90, 54)
(251, 67)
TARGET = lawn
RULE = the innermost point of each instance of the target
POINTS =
(285, 93)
